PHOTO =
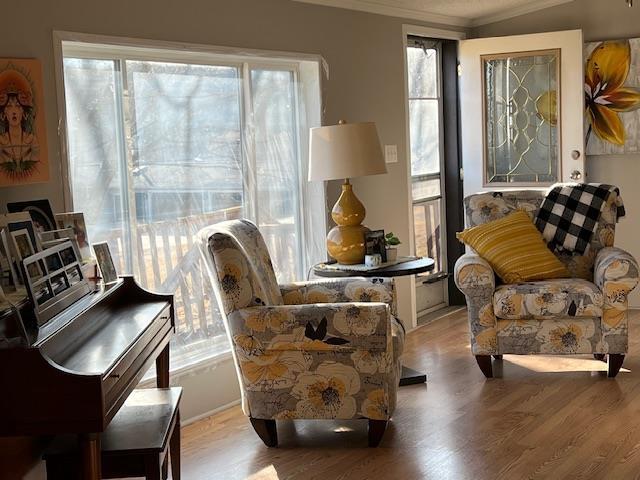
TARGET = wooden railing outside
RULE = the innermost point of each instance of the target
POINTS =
(167, 259)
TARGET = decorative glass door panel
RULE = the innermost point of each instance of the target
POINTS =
(520, 94)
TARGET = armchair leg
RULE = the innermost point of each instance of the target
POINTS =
(614, 364)
(484, 362)
(266, 430)
(376, 430)
(600, 356)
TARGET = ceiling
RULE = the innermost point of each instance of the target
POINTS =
(464, 13)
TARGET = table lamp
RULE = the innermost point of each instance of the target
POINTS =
(345, 151)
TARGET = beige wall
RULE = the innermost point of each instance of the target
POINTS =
(365, 83)
(599, 20)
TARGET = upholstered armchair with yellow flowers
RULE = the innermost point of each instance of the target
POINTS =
(307, 350)
(585, 313)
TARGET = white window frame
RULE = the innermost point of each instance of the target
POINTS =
(92, 46)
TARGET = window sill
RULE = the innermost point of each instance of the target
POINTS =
(191, 369)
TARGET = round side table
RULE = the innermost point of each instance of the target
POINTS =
(411, 267)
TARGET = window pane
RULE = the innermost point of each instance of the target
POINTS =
(520, 101)
(428, 236)
(423, 72)
(94, 149)
(425, 188)
(187, 173)
(277, 168)
(425, 139)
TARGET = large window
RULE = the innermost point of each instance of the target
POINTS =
(425, 110)
(161, 143)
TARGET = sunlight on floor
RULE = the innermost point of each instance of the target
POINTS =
(267, 473)
(556, 363)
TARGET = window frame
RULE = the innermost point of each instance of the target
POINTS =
(120, 50)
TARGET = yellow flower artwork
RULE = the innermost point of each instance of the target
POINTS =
(609, 99)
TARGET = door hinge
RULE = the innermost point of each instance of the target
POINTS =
(459, 70)
(462, 174)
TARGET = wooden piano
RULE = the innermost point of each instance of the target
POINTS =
(73, 374)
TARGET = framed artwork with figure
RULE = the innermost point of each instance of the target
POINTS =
(23, 139)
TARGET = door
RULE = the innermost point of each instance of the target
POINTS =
(522, 103)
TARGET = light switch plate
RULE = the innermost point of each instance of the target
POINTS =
(391, 153)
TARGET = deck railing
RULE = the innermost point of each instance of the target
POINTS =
(166, 259)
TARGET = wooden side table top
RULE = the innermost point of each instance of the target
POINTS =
(412, 267)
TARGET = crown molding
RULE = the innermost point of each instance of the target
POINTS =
(516, 12)
(423, 16)
(391, 11)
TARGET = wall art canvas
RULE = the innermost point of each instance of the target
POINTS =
(23, 139)
(612, 97)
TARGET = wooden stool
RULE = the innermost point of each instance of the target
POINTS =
(137, 442)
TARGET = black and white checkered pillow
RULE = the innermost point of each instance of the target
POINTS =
(569, 215)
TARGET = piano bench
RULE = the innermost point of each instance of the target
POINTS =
(137, 442)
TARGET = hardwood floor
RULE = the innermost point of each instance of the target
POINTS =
(542, 417)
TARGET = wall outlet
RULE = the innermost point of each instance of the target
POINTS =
(391, 153)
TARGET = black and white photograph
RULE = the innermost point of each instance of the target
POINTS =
(105, 262)
(59, 283)
(374, 241)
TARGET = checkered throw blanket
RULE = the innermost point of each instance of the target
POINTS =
(569, 214)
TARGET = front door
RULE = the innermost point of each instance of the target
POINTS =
(522, 103)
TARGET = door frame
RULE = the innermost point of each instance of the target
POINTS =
(438, 34)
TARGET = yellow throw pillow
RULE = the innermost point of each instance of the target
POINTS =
(515, 249)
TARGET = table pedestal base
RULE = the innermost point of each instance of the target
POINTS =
(410, 376)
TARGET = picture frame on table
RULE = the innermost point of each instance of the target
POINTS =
(9, 280)
(61, 284)
(374, 243)
(24, 248)
(105, 262)
(75, 221)
(40, 211)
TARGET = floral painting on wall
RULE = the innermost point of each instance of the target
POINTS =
(23, 141)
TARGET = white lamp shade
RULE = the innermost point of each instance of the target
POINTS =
(345, 150)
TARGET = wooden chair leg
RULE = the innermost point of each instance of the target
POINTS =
(600, 356)
(266, 430)
(614, 364)
(174, 449)
(376, 430)
(484, 362)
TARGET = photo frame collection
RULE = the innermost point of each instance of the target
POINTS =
(44, 254)
(54, 280)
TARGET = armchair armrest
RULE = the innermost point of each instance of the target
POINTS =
(476, 280)
(472, 273)
(341, 290)
(315, 361)
(318, 327)
(616, 273)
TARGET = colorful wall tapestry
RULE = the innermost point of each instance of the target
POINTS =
(23, 140)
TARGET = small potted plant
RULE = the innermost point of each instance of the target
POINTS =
(391, 241)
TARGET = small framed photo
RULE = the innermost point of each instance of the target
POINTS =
(40, 211)
(105, 262)
(75, 221)
(374, 241)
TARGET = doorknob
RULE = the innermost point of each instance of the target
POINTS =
(576, 175)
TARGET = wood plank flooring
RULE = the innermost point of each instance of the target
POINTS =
(545, 417)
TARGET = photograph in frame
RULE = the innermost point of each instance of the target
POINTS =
(105, 262)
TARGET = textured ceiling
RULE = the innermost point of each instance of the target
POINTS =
(454, 12)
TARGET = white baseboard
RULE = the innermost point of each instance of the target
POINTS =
(189, 421)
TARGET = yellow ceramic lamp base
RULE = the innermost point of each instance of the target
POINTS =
(346, 241)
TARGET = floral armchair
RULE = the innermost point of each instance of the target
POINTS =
(583, 314)
(307, 350)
